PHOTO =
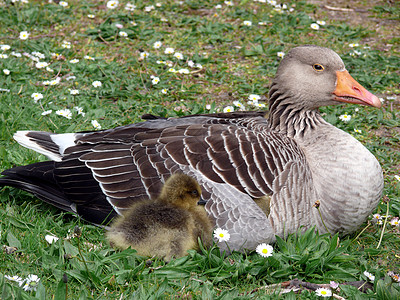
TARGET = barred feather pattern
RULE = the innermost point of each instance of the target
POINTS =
(234, 160)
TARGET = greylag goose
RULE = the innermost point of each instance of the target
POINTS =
(260, 175)
(167, 226)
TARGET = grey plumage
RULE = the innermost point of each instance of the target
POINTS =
(260, 176)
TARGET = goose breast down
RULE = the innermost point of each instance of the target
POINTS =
(260, 175)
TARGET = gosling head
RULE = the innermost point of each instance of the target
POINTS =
(181, 190)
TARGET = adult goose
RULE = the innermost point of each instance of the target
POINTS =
(260, 175)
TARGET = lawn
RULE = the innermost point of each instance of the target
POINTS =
(90, 65)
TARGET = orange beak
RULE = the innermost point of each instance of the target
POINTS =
(350, 91)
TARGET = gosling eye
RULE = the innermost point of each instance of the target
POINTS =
(318, 67)
(195, 193)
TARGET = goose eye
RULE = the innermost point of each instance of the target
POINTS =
(195, 193)
(318, 67)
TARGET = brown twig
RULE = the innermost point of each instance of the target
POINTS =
(298, 285)
(338, 8)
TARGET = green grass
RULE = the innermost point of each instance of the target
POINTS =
(236, 61)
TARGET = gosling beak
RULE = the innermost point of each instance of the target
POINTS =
(350, 91)
(202, 202)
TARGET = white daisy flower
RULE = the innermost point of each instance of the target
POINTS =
(222, 235)
(247, 23)
(314, 26)
(322, 292)
(352, 45)
(38, 54)
(66, 113)
(377, 217)
(261, 105)
(397, 177)
(112, 4)
(369, 276)
(91, 16)
(6, 71)
(122, 34)
(5, 47)
(178, 55)
(96, 124)
(169, 50)
(228, 109)
(66, 44)
(13, 278)
(48, 69)
(149, 8)
(157, 45)
(3, 56)
(345, 118)
(55, 81)
(238, 104)
(63, 3)
(321, 23)
(47, 112)
(37, 96)
(183, 71)
(97, 83)
(89, 57)
(23, 35)
(264, 250)
(254, 98)
(16, 54)
(164, 91)
(395, 222)
(155, 80)
(144, 55)
(41, 65)
(74, 92)
(30, 283)
(130, 7)
(280, 54)
(119, 26)
(51, 238)
(74, 61)
(80, 110)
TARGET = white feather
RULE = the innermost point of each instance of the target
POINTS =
(23, 140)
(64, 141)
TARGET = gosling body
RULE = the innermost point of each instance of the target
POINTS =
(167, 226)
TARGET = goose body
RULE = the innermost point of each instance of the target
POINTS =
(260, 175)
(167, 226)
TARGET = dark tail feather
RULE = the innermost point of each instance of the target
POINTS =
(38, 179)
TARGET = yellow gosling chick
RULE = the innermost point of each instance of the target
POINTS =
(167, 226)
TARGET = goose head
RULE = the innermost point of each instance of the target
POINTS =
(310, 77)
(181, 190)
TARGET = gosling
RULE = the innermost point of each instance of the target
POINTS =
(167, 226)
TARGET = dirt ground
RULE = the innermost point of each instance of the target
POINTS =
(385, 27)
